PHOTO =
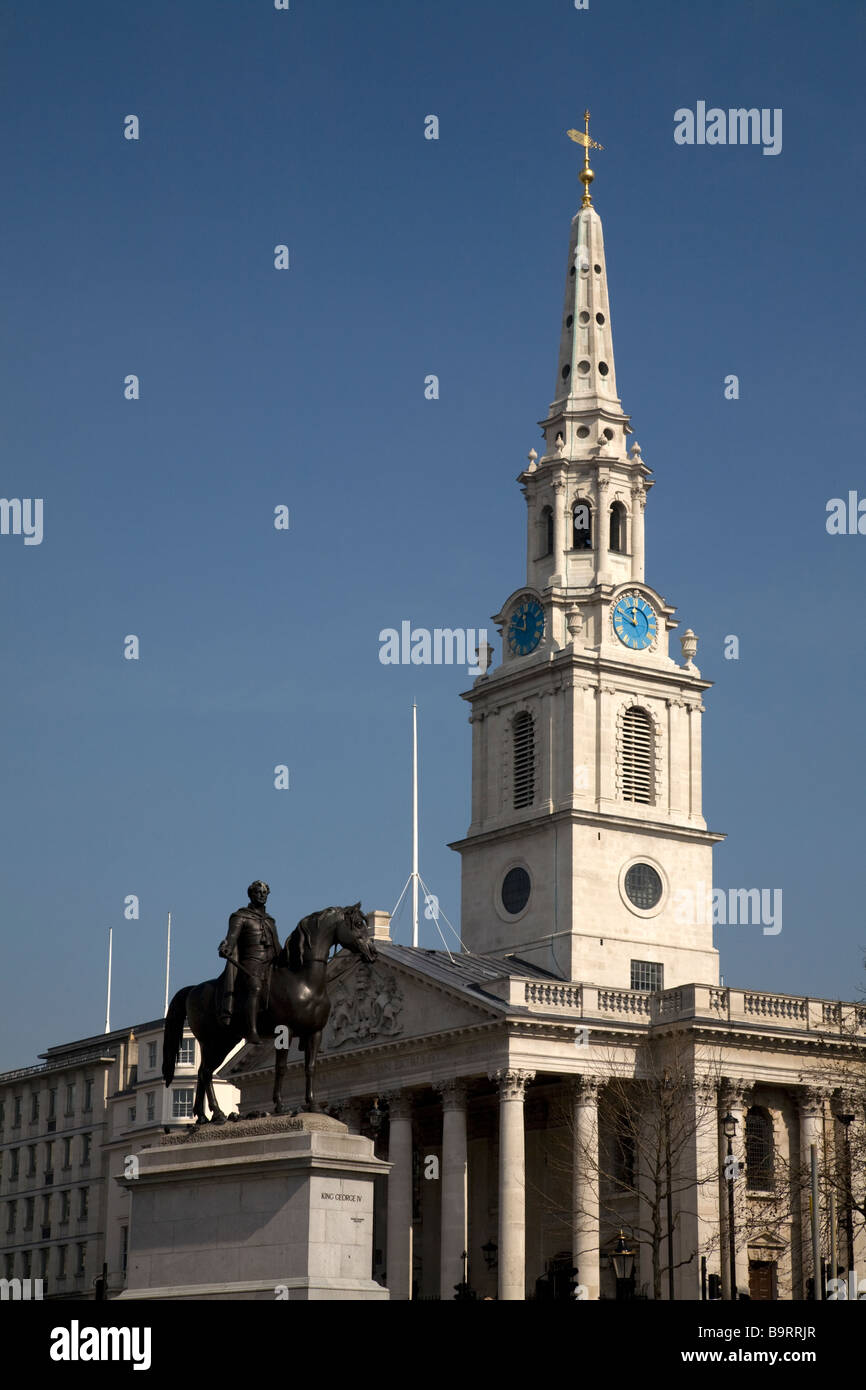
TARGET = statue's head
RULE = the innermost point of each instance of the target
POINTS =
(258, 893)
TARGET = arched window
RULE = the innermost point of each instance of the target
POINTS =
(523, 746)
(637, 756)
(581, 525)
(759, 1151)
(546, 528)
(617, 527)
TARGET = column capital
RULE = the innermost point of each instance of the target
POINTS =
(585, 1089)
(734, 1092)
(399, 1104)
(453, 1093)
(810, 1100)
(512, 1084)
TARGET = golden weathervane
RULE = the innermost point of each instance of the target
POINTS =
(586, 176)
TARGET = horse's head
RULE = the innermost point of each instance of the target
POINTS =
(353, 933)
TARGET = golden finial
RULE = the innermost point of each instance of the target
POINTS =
(586, 176)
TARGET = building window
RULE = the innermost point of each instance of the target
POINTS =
(130, 1114)
(67, 1153)
(14, 1159)
(645, 974)
(88, 1095)
(11, 1217)
(81, 1265)
(546, 527)
(70, 1099)
(151, 1055)
(9, 1265)
(181, 1104)
(46, 1216)
(759, 1151)
(29, 1203)
(186, 1054)
(124, 1248)
(617, 528)
(34, 1107)
(523, 741)
(581, 525)
(64, 1208)
(2, 1113)
(86, 1146)
(52, 1103)
(31, 1161)
(16, 1115)
(83, 1203)
(637, 756)
(643, 886)
(25, 1264)
(61, 1261)
(43, 1262)
(515, 890)
(150, 1101)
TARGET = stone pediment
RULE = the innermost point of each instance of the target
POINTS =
(381, 1003)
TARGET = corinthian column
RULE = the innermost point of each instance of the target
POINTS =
(399, 1247)
(584, 1244)
(454, 1230)
(512, 1184)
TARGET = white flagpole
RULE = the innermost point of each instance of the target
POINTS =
(414, 825)
(167, 963)
(108, 997)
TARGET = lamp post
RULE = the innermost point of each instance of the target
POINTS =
(667, 1088)
(622, 1263)
(729, 1128)
(846, 1119)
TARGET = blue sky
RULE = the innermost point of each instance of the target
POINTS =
(306, 388)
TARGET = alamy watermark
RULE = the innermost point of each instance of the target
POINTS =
(736, 126)
(22, 516)
(444, 646)
(742, 907)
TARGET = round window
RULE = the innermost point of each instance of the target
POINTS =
(643, 886)
(515, 891)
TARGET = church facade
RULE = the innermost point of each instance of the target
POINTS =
(575, 1105)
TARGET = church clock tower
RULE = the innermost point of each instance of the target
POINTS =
(588, 853)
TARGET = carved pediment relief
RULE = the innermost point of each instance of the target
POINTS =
(366, 1006)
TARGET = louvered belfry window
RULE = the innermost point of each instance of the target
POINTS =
(523, 734)
(637, 756)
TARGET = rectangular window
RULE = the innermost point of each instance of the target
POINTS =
(11, 1217)
(64, 1208)
(645, 974)
(150, 1099)
(81, 1266)
(34, 1107)
(52, 1103)
(29, 1204)
(86, 1146)
(9, 1265)
(130, 1114)
(61, 1261)
(31, 1161)
(124, 1248)
(16, 1117)
(181, 1104)
(88, 1095)
(83, 1202)
(43, 1262)
(46, 1209)
(186, 1055)
(70, 1099)
(67, 1153)
(14, 1159)
(25, 1264)
(151, 1055)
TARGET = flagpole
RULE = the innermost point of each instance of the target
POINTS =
(414, 825)
(167, 963)
(108, 996)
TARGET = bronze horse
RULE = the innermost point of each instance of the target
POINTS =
(298, 1007)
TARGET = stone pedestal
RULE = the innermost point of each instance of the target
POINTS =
(275, 1208)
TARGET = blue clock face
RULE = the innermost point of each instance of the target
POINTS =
(634, 621)
(525, 627)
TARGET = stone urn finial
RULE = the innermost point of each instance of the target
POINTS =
(689, 644)
(532, 456)
(574, 621)
(484, 659)
(560, 444)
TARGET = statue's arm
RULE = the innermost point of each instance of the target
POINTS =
(228, 947)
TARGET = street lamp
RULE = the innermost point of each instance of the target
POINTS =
(667, 1087)
(622, 1263)
(846, 1119)
(729, 1129)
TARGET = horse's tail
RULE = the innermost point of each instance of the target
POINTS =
(172, 1035)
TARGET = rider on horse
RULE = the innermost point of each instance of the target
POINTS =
(252, 946)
